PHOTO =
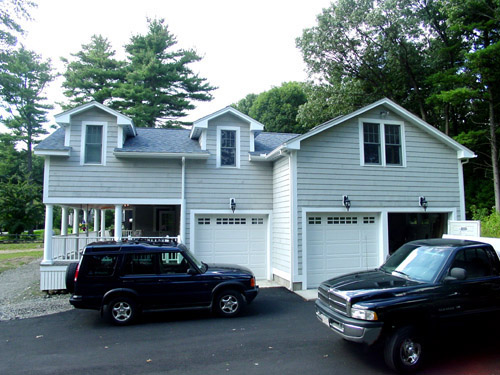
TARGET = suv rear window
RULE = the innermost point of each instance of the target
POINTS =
(100, 265)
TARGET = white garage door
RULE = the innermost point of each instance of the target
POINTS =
(340, 243)
(235, 239)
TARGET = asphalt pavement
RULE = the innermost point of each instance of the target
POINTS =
(277, 334)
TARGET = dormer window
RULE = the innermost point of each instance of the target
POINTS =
(93, 143)
(228, 147)
(382, 143)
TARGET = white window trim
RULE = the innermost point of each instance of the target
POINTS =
(382, 123)
(234, 128)
(104, 141)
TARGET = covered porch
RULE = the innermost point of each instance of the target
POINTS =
(85, 223)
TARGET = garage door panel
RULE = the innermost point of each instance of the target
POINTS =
(227, 234)
(339, 244)
(236, 239)
(332, 235)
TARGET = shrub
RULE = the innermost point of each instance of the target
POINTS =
(490, 222)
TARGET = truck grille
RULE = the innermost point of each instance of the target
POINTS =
(334, 301)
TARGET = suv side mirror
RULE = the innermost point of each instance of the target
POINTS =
(191, 271)
(457, 273)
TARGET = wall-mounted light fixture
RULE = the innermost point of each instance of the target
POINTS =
(422, 202)
(232, 204)
(346, 202)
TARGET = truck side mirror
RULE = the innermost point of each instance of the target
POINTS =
(457, 273)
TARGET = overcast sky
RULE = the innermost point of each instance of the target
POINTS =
(247, 46)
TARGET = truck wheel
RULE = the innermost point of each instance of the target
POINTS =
(229, 303)
(121, 311)
(403, 350)
(70, 277)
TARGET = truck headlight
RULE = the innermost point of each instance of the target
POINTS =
(363, 314)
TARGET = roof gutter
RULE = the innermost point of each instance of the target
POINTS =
(159, 155)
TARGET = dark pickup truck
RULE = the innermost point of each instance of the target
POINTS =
(423, 286)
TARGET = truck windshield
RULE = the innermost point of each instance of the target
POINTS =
(420, 263)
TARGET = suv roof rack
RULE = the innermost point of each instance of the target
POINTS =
(158, 241)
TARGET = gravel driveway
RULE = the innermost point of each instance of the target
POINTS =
(20, 295)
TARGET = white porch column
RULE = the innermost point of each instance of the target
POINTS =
(96, 219)
(76, 212)
(64, 220)
(86, 220)
(118, 222)
(103, 223)
(47, 248)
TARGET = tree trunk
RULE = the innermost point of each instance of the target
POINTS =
(494, 150)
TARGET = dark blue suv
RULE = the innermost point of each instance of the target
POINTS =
(124, 279)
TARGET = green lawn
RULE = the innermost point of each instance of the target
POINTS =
(20, 246)
(15, 255)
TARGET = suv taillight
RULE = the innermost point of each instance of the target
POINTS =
(76, 272)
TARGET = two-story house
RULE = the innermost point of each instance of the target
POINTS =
(297, 209)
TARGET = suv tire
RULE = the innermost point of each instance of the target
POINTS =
(404, 350)
(121, 311)
(229, 303)
(70, 276)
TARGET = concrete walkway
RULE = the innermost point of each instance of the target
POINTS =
(308, 295)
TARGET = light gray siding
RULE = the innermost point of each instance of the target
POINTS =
(119, 178)
(210, 188)
(281, 245)
(329, 166)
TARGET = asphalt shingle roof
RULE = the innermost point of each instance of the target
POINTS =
(53, 142)
(152, 140)
(161, 140)
(266, 142)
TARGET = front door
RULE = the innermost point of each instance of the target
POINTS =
(167, 223)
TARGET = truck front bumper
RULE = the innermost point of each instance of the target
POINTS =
(366, 332)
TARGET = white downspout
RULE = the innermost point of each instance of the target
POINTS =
(182, 233)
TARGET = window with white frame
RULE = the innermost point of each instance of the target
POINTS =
(228, 147)
(93, 143)
(382, 143)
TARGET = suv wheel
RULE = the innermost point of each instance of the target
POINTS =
(121, 311)
(70, 276)
(404, 349)
(229, 303)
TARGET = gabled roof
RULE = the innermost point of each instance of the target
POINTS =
(462, 151)
(202, 123)
(64, 118)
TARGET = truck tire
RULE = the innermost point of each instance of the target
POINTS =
(404, 350)
(70, 277)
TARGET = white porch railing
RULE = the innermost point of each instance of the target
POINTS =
(69, 248)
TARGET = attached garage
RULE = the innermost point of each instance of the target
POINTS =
(339, 243)
(235, 239)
